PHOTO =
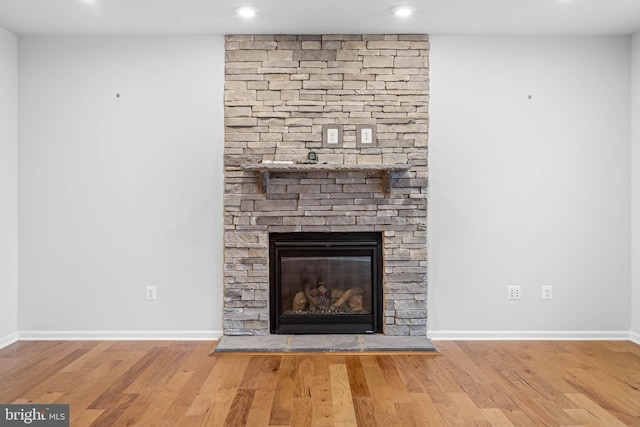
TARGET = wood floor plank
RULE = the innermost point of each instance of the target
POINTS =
(7, 364)
(365, 411)
(301, 411)
(321, 404)
(396, 386)
(85, 418)
(382, 394)
(343, 411)
(211, 409)
(115, 391)
(470, 383)
(439, 368)
(260, 377)
(357, 380)
(116, 408)
(163, 368)
(496, 417)
(132, 414)
(594, 410)
(532, 402)
(90, 384)
(49, 397)
(260, 406)
(155, 398)
(17, 355)
(303, 377)
(620, 396)
(466, 412)
(20, 381)
(198, 370)
(93, 353)
(237, 414)
(410, 368)
(420, 412)
(283, 396)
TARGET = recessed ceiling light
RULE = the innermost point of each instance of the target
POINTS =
(246, 12)
(402, 11)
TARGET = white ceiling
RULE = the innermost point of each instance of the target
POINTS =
(187, 17)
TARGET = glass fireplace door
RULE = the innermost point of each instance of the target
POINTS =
(324, 286)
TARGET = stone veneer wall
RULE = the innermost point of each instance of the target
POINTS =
(279, 91)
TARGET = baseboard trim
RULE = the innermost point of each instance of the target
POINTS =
(119, 335)
(8, 340)
(216, 335)
(529, 335)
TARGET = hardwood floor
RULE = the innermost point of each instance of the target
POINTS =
(470, 383)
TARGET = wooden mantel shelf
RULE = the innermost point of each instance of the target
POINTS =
(388, 173)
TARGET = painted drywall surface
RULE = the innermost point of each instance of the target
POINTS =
(121, 172)
(8, 184)
(101, 216)
(635, 184)
(529, 183)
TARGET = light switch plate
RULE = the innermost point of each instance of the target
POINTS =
(332, 136)
(366, 136)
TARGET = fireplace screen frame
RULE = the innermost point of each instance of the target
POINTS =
(304, 244)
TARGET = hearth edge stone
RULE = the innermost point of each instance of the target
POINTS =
(324, 344)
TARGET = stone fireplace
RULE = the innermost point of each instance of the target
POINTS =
(279, 92)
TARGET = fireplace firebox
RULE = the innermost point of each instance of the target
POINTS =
(325, 283)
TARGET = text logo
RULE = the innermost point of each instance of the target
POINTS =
(34, 415)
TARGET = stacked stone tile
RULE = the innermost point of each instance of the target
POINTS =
(279, 91)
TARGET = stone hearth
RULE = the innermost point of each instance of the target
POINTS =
(324, 344)
(279, 92)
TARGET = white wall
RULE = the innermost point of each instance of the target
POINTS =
(117, 193)
(8, 187)
(635, 186)
(120, 192)
(529, 192)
